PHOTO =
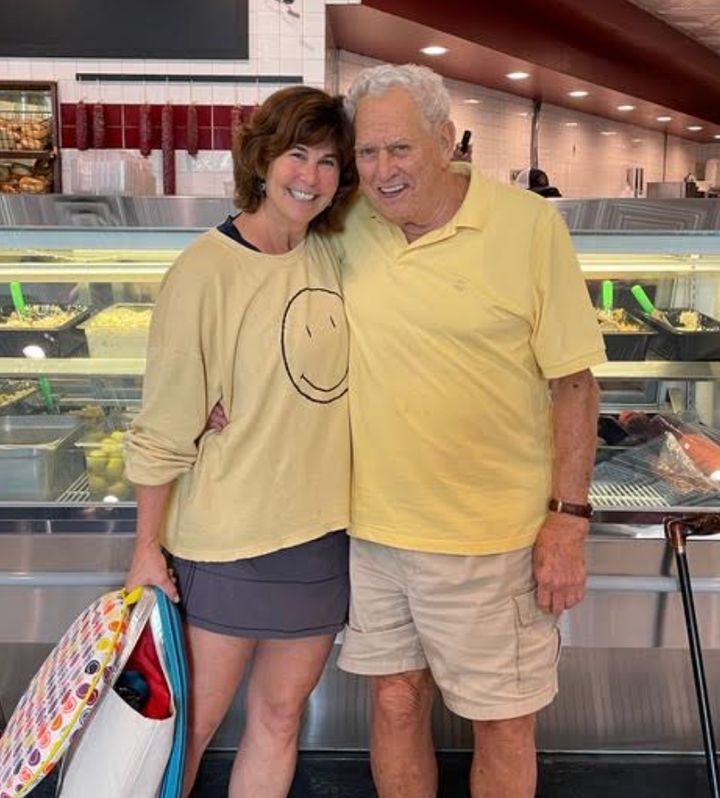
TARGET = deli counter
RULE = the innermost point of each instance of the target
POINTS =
(78, 279)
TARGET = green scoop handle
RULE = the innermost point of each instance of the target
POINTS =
(607, 295)
(18, 300)
(644, 300)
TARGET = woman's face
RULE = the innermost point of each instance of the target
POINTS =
(302, 182)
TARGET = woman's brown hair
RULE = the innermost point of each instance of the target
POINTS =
(296, 115)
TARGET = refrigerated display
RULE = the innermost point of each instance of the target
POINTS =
(67, 519)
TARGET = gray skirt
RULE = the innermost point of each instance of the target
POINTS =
(301, 591)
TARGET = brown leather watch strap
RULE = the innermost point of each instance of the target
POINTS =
(580, 510)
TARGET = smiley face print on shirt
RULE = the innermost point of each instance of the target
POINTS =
(315, 344)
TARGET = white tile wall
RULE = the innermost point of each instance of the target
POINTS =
(284, 39)
(579, 160)
(294, 40)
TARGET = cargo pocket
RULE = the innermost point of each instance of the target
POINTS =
(538, 645)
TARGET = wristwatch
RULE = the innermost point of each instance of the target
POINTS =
(580, 510)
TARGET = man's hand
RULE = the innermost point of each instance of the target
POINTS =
(217, 420)
(149, 568)
(559, 562)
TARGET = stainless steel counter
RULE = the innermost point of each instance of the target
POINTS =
(625, 675)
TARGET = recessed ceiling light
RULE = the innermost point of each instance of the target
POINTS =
(608, 133)
(695, 128)
(578, 93)
(663, 118)
(517, 75)
(571, 124)
(471, 101)
(434, 49)
(716, 136)
(626, 107)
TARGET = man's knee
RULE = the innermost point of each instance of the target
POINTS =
(515, 732)
(403, 698)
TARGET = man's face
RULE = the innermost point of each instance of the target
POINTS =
(401, 159)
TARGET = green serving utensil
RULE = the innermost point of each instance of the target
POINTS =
(18, 300)
(646, 304)
(607, 295)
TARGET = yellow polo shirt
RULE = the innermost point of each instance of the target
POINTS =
(452, 341)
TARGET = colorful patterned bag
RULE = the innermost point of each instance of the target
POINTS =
(137, 752)
(61, 695)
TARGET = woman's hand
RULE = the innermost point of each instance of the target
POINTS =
(217, 419)
(149, 567)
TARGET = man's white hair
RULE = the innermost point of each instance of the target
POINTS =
(425, 86)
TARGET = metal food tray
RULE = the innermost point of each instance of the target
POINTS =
(7, 387)
(111, 341)
(63, 341)
(38, 460)
(674, 343)
(629, 344)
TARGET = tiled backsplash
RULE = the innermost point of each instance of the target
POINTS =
(284, 40)
(291, 40)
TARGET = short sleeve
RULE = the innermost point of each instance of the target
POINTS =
(566, 337)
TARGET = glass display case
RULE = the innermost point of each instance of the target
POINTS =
(78, 278)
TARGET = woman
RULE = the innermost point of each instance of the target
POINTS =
(250, 315)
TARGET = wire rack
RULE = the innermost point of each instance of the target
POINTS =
(77, 493)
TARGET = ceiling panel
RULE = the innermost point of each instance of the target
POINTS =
(617, 51)
(699, 19)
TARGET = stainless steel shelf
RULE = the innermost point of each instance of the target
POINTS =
(72, 367)
(626, 369)
(85, 273)
(658, 370)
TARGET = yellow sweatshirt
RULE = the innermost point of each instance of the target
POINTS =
(266, 336)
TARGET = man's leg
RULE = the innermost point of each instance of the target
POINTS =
(504, 758)
(402, 755)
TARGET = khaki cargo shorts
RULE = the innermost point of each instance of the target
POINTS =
(473, 621)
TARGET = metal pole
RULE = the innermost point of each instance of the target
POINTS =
(676, 534)
(535, 134)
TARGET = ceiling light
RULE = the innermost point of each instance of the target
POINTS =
(716, 136)
(578, 93)
(571, 124)
(637, 141)
(626, 107)
(517, 75)
(471, 101)
(608, 133)
(434, 49)
(695, 128)
(663, 118)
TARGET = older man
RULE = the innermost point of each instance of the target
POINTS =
(473, 418)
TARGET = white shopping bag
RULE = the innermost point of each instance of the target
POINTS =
(121, 753)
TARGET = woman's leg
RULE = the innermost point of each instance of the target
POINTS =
(283, 676)
(216, 663)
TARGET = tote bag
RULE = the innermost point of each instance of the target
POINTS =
(129, 753)
(62, 694)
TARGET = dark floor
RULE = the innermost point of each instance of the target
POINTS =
(322, 775)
